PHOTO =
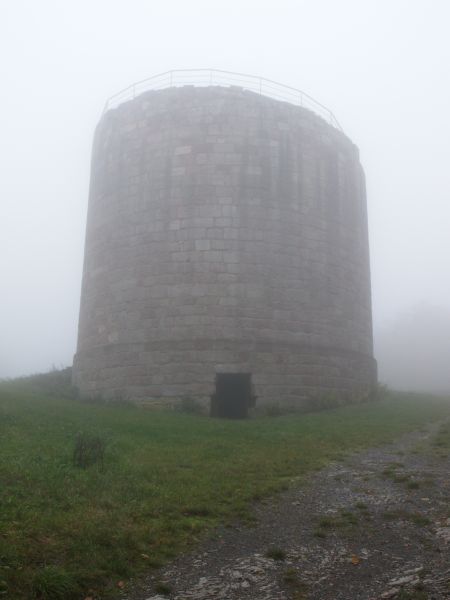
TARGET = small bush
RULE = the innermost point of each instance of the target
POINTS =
(88, 451)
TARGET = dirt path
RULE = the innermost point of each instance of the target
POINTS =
(375, 526)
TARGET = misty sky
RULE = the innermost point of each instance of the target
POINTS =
(381, 66)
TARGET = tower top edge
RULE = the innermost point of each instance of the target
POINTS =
(215, 78)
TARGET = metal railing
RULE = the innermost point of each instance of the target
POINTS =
(210, 77)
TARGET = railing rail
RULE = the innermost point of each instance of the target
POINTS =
(208, 77)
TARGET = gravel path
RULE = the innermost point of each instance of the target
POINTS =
(372, 527)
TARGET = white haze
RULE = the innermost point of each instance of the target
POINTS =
(383, 68)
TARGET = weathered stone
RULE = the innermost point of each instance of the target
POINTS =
(227, 231)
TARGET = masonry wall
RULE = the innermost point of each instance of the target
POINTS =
(227, 232)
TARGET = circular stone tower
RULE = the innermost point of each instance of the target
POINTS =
(226, 256)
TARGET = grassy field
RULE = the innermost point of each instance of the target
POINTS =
(68, 532)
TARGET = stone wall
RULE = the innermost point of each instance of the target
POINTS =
(227, 232)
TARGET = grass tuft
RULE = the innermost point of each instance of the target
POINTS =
(297, 587)
(412, 595)
(54, 583)
(413, 485)
(404, 515)
(320, 533)
(89, 450)
(163, 588)
(276, 553)
(327, 522)
(343, 520)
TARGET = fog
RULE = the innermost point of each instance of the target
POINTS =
(381, 66)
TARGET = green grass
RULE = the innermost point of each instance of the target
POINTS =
(298, 589)
(276, 553)
(344, 520)
(412, 595)
(404, 515)
(413, 485)
(163, 589)
(441, 441)
(165, 480)
(438, 446)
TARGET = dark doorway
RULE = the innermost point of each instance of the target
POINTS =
(233, 396)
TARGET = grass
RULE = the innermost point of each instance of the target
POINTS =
(163, 589)
(404, 515)
(344, 520)
(412, 595)
(438, 446)
(276, 553)
(320, 533)
(164, 481)
(391, 472)
(327, 522)
(441, 441)
(290, 576)
(413, 485)
(298, 589)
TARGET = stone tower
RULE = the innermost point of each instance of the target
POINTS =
(226, 254)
